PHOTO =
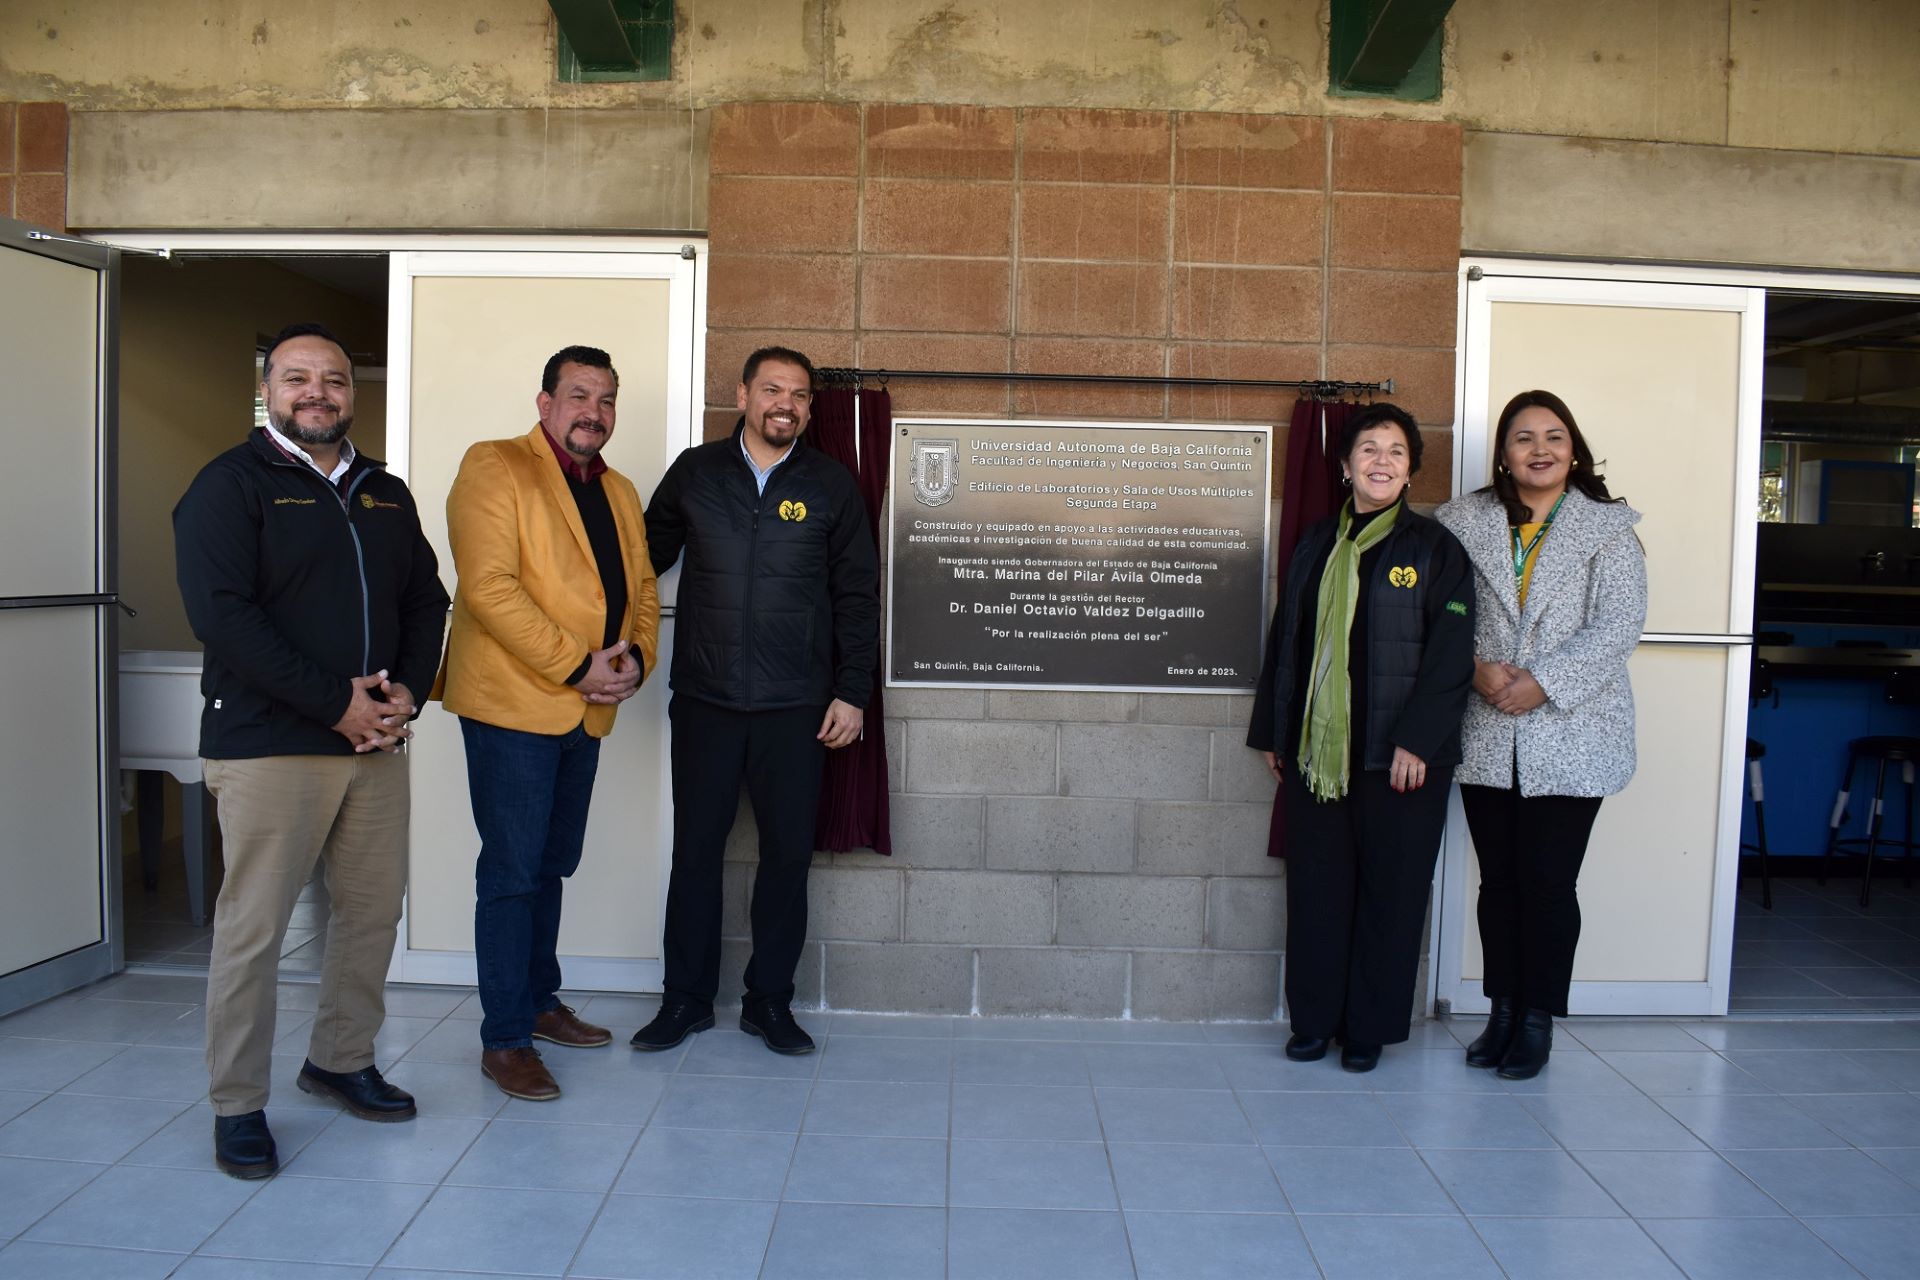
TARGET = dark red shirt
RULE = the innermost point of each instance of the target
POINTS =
(594, 469)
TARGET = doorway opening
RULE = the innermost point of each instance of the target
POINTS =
(1836, 667)
(193, 328)
(462, 324)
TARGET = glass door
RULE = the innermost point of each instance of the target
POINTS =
(59, 836)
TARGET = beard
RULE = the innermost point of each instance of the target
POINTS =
(777, 432)
(587, 444)
(287, 427)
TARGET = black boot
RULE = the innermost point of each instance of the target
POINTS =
(365, 1092)
(676, 1021)
(1491, 1047)
(772, 1021)
(1531, 1044)
(243, 1147)
(1358, 1055)
(1304, 1048)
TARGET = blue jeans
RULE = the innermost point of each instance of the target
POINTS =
(530, 795)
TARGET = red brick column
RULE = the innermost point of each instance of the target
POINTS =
(33, 162)
(783, 224)
(1249, 263)
(1395, 203)
(1065, 240)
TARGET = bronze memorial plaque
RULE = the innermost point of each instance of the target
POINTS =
(1078, 555)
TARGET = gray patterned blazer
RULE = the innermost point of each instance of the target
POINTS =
(1586, 606)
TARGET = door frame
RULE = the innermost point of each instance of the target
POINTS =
(462, 254)
(685, 394)
(93, 961)
(1669, 286)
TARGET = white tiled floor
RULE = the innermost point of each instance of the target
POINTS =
(1819, 950)
(959, 1148)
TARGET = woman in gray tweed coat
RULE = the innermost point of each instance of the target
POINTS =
(1562, 584)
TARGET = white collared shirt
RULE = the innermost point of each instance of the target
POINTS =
(759, 476)
(292, 446)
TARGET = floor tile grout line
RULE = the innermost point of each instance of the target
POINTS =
(452, 1165)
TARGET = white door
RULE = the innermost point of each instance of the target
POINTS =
(469, 334)
(1664, 380)
(59, 835)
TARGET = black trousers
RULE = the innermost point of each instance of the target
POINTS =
(780, 759)
(1358, 874)
(1530, 850)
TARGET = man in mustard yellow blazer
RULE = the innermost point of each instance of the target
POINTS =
(555, 622)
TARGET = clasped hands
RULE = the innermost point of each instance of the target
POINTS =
(377, 724)
(1508, 689)
(613, 675)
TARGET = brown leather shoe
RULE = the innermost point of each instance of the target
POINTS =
(561, 1025)
(519, 1073)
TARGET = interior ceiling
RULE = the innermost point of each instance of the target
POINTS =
(1844, 349)
(363, 277)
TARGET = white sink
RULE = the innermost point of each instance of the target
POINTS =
(160, 707)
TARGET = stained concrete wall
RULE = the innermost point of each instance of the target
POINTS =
(1580, 197)
(1821, 75)
(625, 169)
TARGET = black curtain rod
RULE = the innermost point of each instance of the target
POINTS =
(1316, 386)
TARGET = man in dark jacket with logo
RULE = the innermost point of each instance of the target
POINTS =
(776, 630)
(306, 577)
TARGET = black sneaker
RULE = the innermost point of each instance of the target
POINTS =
(364, 1092)
(773, 1022)
(243, 1146)
(676, 1021)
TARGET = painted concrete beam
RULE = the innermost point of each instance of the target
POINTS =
(637, 169)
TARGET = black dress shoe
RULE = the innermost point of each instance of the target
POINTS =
(363, 1092)
(1492, 1045)
(772, 1021)
(675, 1022)
(1357, 1055)
(243, 1147)
(1306, 1048)
(1531, 1045)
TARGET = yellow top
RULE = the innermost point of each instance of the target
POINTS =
(1530, 539)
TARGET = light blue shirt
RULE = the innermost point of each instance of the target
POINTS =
(759, 476)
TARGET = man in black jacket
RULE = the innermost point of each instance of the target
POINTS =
(307, 579)
(776, 631)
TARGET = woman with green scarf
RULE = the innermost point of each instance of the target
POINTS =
(1367, 673)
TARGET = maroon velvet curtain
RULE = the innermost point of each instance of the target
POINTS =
(853, 790)
(1310, 491)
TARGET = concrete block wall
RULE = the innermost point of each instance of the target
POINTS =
(1096, 854)
(1086, 854)
(33, 163)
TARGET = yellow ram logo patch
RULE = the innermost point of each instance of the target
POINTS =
(1403, 575)
(793, 511)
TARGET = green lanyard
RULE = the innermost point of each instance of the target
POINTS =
(1521, 551)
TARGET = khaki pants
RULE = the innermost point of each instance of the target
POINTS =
(278, 815)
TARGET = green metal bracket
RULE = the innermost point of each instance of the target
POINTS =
(1386, 48)
(614, 39)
